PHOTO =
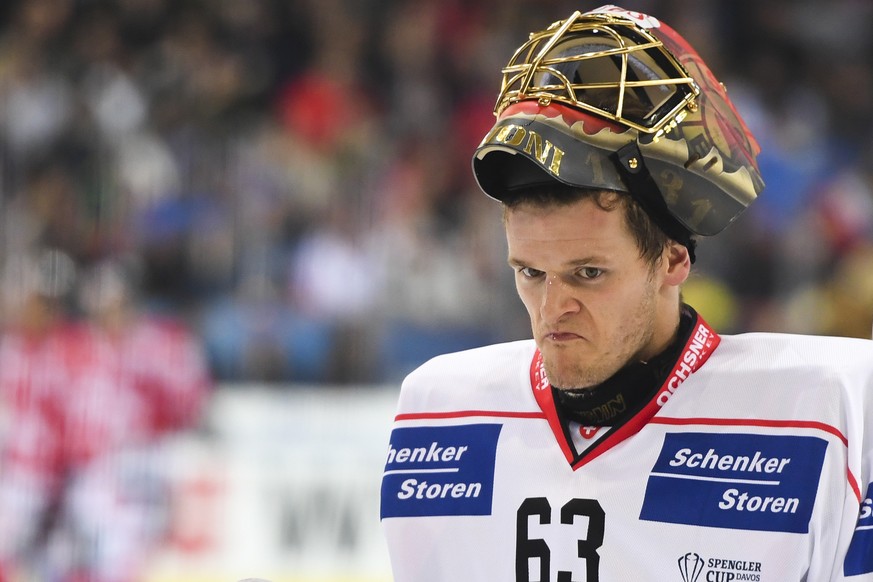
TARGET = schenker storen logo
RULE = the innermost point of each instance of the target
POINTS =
(735, 481)
(859, 559)
(440, 470)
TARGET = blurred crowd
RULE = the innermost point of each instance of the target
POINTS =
(289, 179)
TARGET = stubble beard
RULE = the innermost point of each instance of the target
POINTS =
(569, 371)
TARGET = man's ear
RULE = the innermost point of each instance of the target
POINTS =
(676, 264)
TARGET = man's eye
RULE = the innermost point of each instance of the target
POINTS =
(590, 272)
(530, 273)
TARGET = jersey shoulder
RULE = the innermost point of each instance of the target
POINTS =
(494, 377)
(823, 377)
(822, 354)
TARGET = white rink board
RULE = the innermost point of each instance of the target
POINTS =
(283, 486)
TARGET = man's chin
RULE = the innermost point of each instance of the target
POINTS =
(575, 379)
(571, 381)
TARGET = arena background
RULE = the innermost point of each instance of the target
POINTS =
(289, 179)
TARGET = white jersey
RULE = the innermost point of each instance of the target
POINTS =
(753, 462)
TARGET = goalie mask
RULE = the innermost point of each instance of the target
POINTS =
(616, 100)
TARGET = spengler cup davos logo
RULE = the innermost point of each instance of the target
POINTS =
(695, 568)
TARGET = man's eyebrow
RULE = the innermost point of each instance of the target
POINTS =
(593, 259)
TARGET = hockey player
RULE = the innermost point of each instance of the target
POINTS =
(627, 440)
(90, 406)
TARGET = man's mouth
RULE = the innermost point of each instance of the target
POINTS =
(562, 336)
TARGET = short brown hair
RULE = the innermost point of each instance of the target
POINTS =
(651, 240)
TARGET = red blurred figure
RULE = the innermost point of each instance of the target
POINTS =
(83, 487)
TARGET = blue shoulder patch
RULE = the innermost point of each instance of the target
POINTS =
(859, 558)
(440, 470)
(735, 481)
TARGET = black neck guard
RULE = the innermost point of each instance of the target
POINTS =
(622, 395)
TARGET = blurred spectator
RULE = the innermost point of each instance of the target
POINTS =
(257, 336)
(335, 278)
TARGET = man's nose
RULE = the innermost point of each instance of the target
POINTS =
(558, 300)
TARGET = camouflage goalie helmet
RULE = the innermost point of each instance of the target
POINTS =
(613, 99)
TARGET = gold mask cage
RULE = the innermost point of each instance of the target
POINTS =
(606, 65)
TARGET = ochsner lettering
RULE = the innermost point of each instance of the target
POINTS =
(696, 351)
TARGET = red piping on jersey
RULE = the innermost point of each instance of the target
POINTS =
(700, 344)
(543, 393)
(815, 425)
(810, 424)
(468, 413)
(853, 483)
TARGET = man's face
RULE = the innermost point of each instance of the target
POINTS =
(593, 302)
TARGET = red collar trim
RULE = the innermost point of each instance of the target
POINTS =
(700, 345)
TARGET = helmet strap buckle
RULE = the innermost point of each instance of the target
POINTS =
(631, 165)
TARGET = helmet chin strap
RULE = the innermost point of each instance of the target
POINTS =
(630, 164)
